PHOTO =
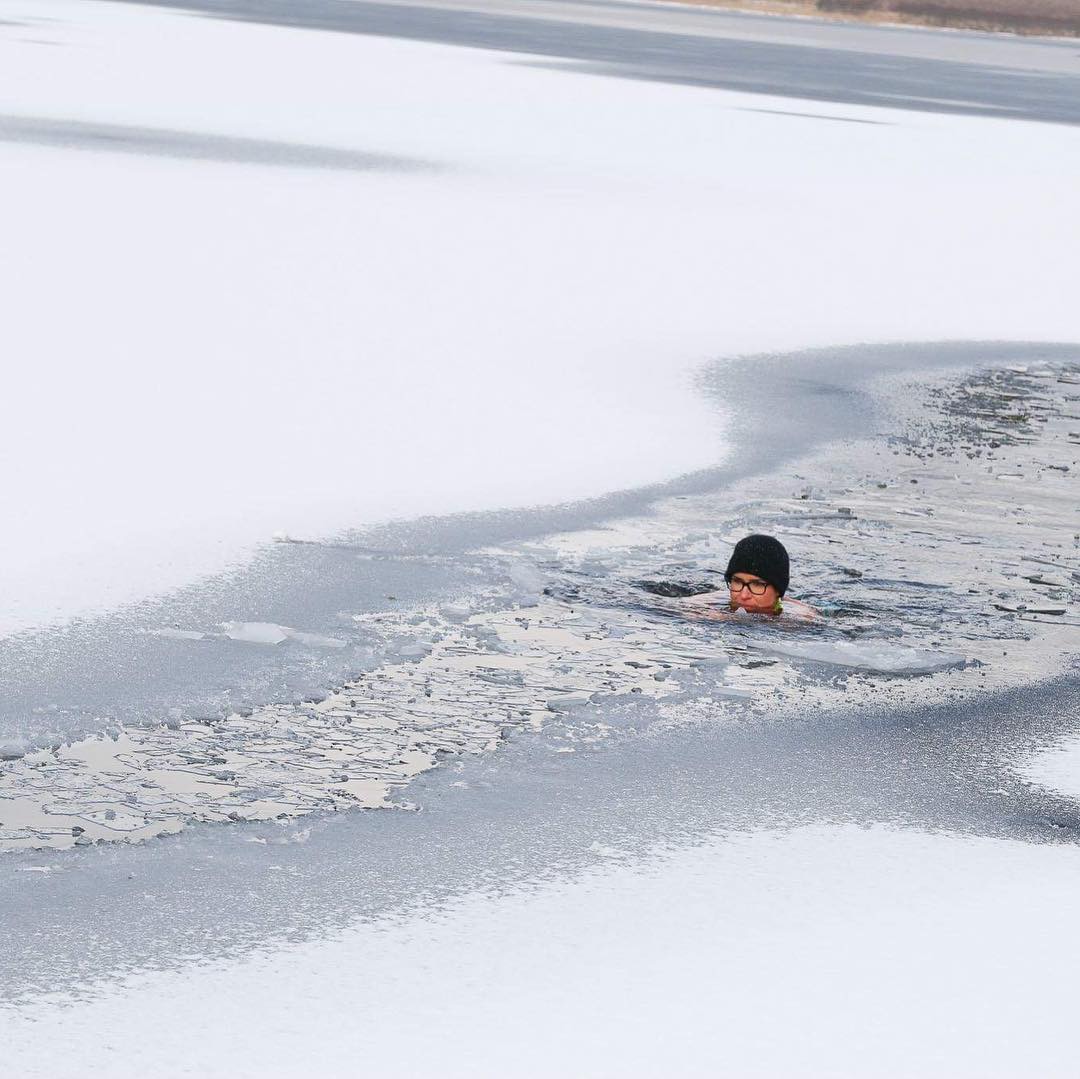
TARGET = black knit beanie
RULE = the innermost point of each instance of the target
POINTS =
(764, 557)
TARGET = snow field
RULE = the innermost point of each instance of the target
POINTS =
(202, 353)
(826, 950)
(1057, 768)
(504, 308)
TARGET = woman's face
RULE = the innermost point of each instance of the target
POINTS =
(752, 594)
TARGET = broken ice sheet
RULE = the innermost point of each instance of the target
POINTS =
(455, 679)
(452, 694)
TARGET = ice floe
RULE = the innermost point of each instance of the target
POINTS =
(882, 656)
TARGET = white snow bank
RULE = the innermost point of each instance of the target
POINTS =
(1058, 768)
(825, 951)
(201, 353)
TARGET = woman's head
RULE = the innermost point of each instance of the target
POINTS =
(758, 573)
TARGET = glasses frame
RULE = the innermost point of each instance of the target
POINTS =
(755, 588)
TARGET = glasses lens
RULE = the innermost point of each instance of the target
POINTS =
(757, 588)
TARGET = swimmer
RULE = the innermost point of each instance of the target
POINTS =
(757, 578)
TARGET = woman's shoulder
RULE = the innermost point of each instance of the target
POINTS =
(797, 609)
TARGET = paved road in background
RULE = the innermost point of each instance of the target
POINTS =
(929, 70)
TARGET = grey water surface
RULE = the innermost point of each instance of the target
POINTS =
(961, 72)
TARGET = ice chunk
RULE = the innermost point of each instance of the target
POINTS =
(454, 613)
(881, 656)
(255, 632)
(735, 692)
(568, 702)
(528, 583)
(411, 649)
(272, 633)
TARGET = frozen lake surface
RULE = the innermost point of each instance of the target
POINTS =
(372, 399)
(834, 950)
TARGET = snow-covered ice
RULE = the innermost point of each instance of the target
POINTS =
(501, 305)
(1057, 768)
(265, 284)
(835, 951)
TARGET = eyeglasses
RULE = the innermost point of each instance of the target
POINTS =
(757, 588)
